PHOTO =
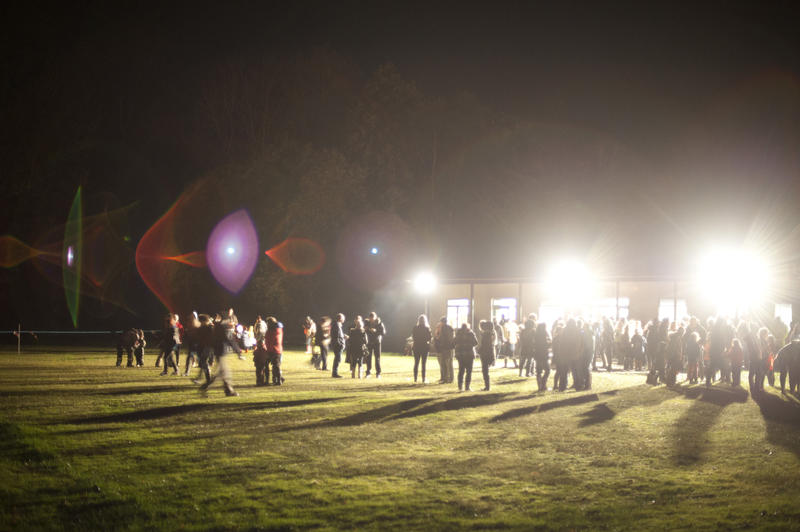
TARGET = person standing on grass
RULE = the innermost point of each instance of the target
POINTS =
(527, 342)
(260, 362)
(674, 355)
(260, 329)
(486, 352)
(584, 373)
(736, 356)
(693, 351)
(569, 349)
(421, 340)
(541, 356)
(356, 347)
(444, 342)
(376, 330)
(337, 344)
(170, 341)
(126, 342)
(138, 348)
(274, 345)
(465, 342)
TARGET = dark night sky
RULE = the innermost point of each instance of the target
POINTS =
(702, 97)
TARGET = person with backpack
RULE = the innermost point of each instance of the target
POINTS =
(444, 339)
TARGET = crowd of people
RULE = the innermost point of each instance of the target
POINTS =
(570, 349)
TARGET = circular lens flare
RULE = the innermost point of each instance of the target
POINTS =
(232, 251)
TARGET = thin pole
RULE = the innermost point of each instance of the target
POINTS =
(675, 301)
(19, 338)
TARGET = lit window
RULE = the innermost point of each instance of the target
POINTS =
(504, 308)
(668, 309)
(457, 312)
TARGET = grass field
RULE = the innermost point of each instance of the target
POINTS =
(89, 446)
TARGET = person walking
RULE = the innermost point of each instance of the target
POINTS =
(465, 343)
(170, 341)
(421, 345)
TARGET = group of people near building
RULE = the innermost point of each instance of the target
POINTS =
(361, 344)
(570, 349)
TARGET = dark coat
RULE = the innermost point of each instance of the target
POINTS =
(465, 343)
(356, 346)
(421, 338)
(375, 331)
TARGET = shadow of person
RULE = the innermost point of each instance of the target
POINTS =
(782, 417)
(691, 429)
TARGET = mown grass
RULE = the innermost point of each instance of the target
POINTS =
(86, 446)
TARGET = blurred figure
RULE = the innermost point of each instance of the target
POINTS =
(499, 332)
(356, 347)
(170, 340)
(376, 330)
(637, 350)
(444, 342)
(309, 331)
(510, 337)
(486, 352)
(323, 340)
(421, 345)
(772, 351)
(223, 341)
(260, 362)
(190, 339)
(181, 339)
(465, 342)
(126, 341)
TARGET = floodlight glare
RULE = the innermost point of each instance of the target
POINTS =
(374, 251)
(424, 283)
(569, 281)
(733, 279)
(231, 250)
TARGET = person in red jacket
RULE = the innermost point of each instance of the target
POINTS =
(274, 341)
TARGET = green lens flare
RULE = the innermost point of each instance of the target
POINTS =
(72, 257)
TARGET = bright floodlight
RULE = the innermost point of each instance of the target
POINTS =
(733, 279)
(374, 251)
(569, 281)
(424, 283)
(231, 250)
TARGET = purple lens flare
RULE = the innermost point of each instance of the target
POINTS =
(232, 251)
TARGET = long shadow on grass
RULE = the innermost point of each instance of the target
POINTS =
(375, 415)
(178, 410)
(691, 429)
(782, 416)
(544, 407)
